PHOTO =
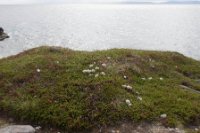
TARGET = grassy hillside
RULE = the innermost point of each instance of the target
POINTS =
(76, 90)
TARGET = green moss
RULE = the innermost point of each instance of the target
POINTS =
(61, 95)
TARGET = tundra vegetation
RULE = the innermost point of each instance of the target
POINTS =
(79, 90)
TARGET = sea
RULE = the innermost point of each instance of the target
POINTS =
(89, 27)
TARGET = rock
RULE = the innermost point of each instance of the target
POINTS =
(18, 129)
(91, 65)
(96, 68)
(112, 131)
(117, 131)
(189, 89)
(128, 102)
(124, 86)
(171, 129)
(108, 58)
(198, 80)
(139, 98)
(2, 34)
(38, 70)
(96, 75)
(163, 116)
(1, 30)
(38, 128)
(152, 66)
(137, 93)
(103, 73)
(161, 129)
(88, 71)
(150, 78)
(104, 65)
(143, 78)
(128, 87)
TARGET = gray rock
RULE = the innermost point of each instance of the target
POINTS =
(1, 30)
(163, 116)
(189, 89)
(198, 80)
(17, 129)
(3, 36)
(38, 128)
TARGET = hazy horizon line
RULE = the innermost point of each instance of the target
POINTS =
(127, 2)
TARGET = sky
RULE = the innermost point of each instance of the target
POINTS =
(81, 1)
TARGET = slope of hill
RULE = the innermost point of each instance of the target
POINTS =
(78, 90)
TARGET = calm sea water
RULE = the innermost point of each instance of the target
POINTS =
(96, 27)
